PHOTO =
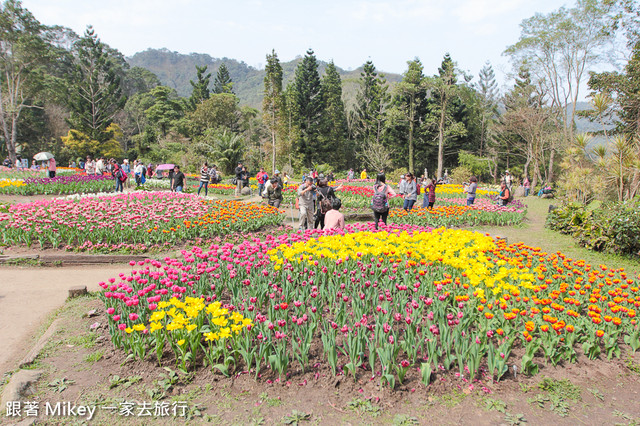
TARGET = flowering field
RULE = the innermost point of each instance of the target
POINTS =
(404, 304)
(63, 184)
(139, 221)
(454, 215)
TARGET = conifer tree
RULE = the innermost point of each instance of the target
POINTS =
(487, 88)
(200, 87)
(367, 121)
(310, 106)
(411, 96)
(96, 95)
(335, 123)
(272, 103)
(223, 82)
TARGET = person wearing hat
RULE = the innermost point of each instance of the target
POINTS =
(277, 176)
(239, 171)
(507, 179)
(274, 193)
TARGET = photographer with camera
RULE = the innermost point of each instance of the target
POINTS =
(306, 193)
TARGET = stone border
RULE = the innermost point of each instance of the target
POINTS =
(31, 356)
(72, 259)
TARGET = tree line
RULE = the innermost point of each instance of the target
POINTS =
(76, 96)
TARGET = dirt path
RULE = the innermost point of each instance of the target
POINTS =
(28, 295)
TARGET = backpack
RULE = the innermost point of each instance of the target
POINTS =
(326, 203)
(122, 176)
(379, 202)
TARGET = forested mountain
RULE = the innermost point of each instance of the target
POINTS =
(177, 69)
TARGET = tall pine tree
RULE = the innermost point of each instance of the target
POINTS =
(410, 98)
(200, 88)
(487, 88)
(223, 83)
(335, 119)
(367, 121)
(272, 103)
(310, 106)
(445, 92)
(96, 94)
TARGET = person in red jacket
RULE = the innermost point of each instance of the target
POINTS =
(262, 179)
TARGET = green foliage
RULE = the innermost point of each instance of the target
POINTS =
(96, 93)
(335, 142)
(79, 143)
(226, 148)
(60, 385)
(223, 82)
(219, 111)
(200, 87)
(296, 417)
(476, 165)
(310, 108)
(460, 174)
(609, 227)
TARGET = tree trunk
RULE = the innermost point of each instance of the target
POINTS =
(273, 140)
(441, 140)
(551, 160)
(411, 146)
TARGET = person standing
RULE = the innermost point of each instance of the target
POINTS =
(306, 192)
(527, 186)
(471, 190)
(507, 179)
(238, 172)
(285, 180)
(262, 178)
(325, 195)
(429, 194)
(140, 173)
(245, 178)
(204, 179)
(126, 168)
(363, 175)
(117, 174)
(334, 219)
(100, 166)
(401, 185)
(177, 183)
(411, 192)
(52, 168)
(350, 175)
(380, 202)
(274, 193)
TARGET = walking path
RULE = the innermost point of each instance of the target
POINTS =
(28, 295)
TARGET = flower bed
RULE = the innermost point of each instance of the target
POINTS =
(140, 219)
(456, 215)
(400, 305)
(59, 185)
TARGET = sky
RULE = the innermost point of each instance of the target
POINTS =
(349, 32)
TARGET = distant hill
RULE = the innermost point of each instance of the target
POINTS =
(177, 69)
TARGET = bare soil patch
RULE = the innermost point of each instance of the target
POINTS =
(604, 392)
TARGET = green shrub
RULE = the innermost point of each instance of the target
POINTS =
(609, 227)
